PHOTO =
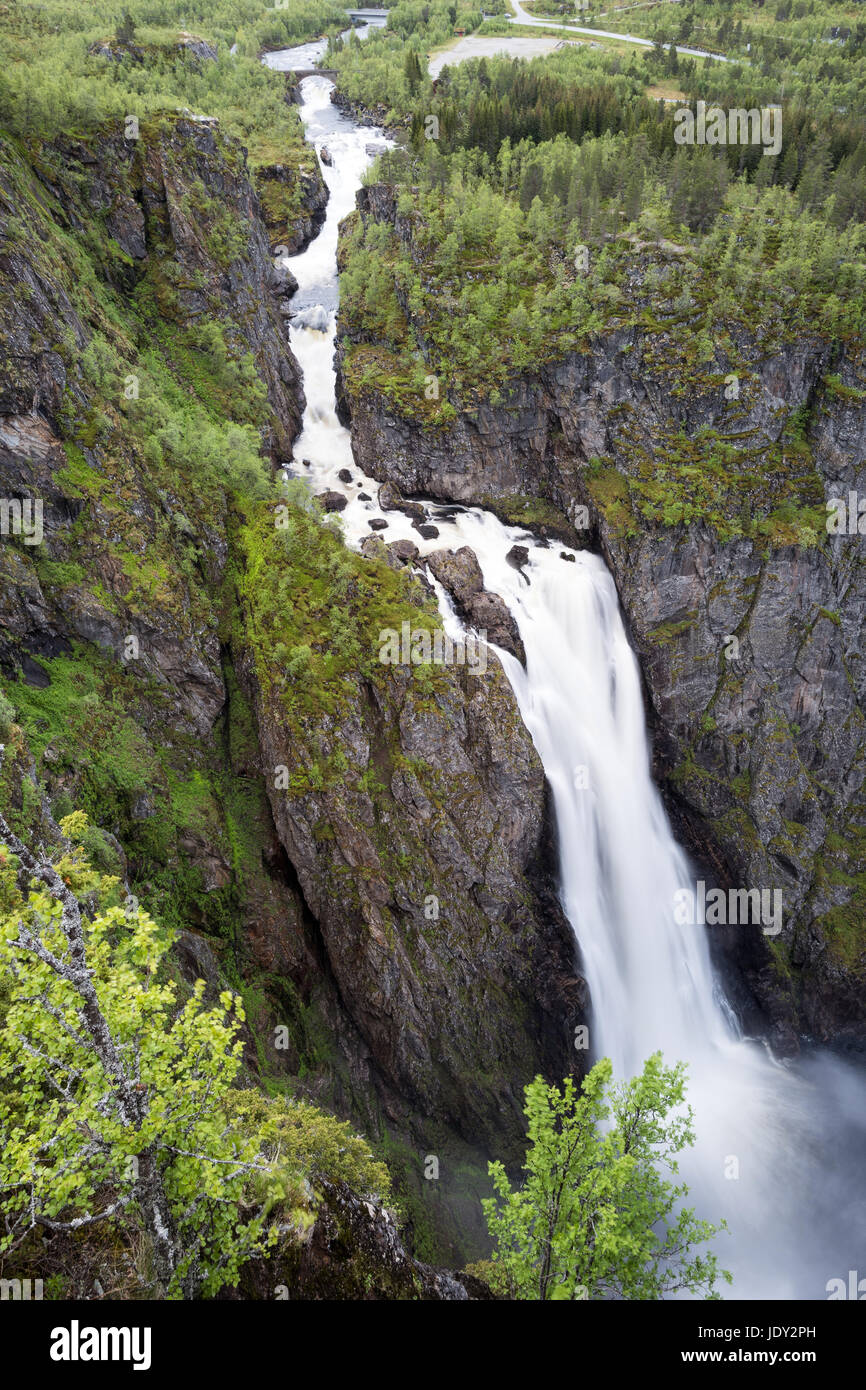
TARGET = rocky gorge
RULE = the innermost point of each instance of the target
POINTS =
(133, 656)
(391, 864)
(748, 643)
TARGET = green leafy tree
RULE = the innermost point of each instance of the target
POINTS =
(595, 1216)
(113, 1092)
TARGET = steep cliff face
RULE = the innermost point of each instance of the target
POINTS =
(145, 370)
(293, 203)
(708, 502)
(125, 292)
(411, 805)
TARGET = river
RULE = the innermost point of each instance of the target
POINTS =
(780, 1146)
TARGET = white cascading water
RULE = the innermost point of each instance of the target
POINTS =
(794, 1134)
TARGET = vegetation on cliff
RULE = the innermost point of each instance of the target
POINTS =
(149, 390)
(544, 284)
(68, 68)
(117, 1106)
(298, 874)
(548, 201)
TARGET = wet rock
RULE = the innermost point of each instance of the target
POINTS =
(332, 501)
(405, 550)
(389, 496)
(307, 463)
(378, 523)
(426, 529)
(458, 571)
(517, 557)
(563, 555)
(344, 475)
(283, 281)
(364, 497)
(391, 500)
(326, 156)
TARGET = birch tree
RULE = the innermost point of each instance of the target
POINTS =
(111, 1088)
(596, 1215)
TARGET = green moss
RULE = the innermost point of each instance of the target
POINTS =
(609, 490)
(306, 593)
(664, 634)
(837, 390)
(531, 512)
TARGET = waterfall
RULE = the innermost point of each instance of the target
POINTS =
(779, 1151)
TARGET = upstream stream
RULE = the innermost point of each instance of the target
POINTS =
(780, 1147)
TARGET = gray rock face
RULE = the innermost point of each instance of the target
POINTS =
(275, 185)
(190, 151)
(460, 573)
(751, 663)
(452, 964)
(760, 744)
(197, 48)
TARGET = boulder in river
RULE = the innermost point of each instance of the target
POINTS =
(378, 523)
(426, 529)
(517, 557)
(282, 280)
(459, 572)
(344, 475)
(405, 550)
(332, 501)
(326, 156)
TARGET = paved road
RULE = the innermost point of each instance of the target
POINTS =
(521, 17)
